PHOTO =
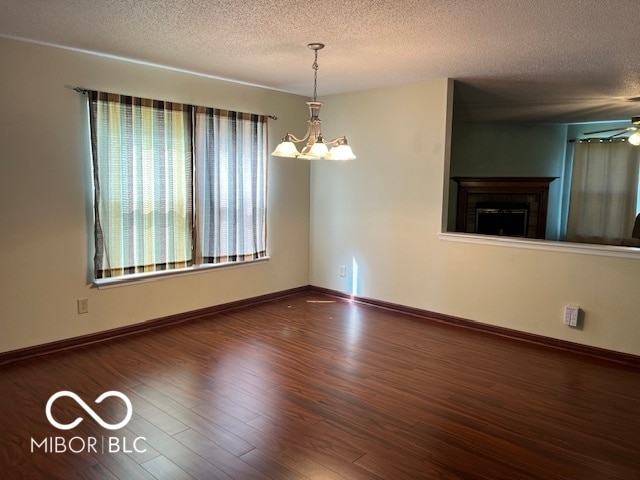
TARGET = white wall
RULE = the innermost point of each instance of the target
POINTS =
(383, 212)
(45, 192)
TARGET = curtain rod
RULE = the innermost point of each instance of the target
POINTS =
(599, 140)
(84, 91)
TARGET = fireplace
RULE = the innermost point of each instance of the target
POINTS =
(509, 219)
(508, 206)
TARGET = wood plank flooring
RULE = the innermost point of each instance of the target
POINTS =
(313, 387)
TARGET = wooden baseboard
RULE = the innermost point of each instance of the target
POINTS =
(425, 315)
(46, 348)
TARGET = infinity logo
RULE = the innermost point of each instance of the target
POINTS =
(87, 408)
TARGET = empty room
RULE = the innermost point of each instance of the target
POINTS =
(319, 240)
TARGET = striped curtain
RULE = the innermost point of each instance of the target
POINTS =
(142, 166)
(231, 158)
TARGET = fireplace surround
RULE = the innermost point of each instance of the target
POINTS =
(506, 206)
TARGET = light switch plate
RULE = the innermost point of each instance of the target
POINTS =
(571, 313)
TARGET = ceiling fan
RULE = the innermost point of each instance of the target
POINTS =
(634, 139)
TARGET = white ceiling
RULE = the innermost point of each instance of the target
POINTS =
(552, 60)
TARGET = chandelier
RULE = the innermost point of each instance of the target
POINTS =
(317, 147)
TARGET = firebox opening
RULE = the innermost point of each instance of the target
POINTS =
(510, 219)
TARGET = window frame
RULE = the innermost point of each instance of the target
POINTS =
(259, 162)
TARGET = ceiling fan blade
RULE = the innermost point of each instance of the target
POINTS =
(621, 130)
(616, 135)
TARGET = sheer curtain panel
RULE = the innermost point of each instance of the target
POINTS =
(231, 160)
(142, 166)
(604, 192)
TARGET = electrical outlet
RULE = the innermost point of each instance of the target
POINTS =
(343, 270)
(571, 313)
(83, 305)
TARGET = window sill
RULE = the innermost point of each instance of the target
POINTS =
(113, 282)
(547, 245)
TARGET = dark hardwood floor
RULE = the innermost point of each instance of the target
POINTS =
(313, 387)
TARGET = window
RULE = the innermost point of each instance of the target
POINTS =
(604, 192)
(175, 185)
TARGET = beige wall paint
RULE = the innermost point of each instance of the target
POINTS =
(383, 213)
(45, 188)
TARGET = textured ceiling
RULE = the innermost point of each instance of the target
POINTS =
(552, 60)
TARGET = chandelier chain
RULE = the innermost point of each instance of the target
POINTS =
(315, 76)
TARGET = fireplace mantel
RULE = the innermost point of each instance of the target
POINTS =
(533, 190)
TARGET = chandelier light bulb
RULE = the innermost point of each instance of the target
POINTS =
(341, 152)
(318, 150)
(286, 149)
